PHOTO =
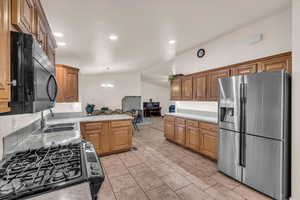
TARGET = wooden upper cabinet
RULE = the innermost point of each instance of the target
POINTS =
(71, 86)
(213, 85)
(23, 14)
(4, 56)
(200, 86)
(51, 50)
(187, 88)
(244, 69)
(41, 31)
(275, 64)
(60, 78)
(67, 80)
(176, 89)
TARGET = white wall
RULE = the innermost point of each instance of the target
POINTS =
(296, 100)
(90, 90)
(232, 48)
(157, 94)
(236, 47)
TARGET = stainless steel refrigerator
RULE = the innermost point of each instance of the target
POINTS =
(254, 131)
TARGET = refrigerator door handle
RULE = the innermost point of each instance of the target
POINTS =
(242, 126)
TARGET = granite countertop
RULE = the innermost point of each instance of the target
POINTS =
(195, 117)
(38, 139)
(68, 118)
(33, 137)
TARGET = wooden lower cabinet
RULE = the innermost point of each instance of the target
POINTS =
(180, 135)
(194, 140)
(196, 135)
(106, 138)
(120, 138)
(210, 145)
(169, 130)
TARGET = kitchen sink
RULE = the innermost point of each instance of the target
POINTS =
(60, 127)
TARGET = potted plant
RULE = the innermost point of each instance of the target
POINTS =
(174, 76)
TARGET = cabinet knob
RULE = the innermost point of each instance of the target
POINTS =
(13, 82)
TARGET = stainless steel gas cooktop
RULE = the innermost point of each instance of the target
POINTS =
(36, 171)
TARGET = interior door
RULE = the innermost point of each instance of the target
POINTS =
(263, 169)
(265, 104)
(229, 154)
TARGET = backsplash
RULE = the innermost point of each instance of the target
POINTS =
(12, 123)
(195, 106)
(67, 107)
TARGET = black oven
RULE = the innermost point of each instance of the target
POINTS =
(34, 87)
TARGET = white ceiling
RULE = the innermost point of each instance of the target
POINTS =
(144, 28)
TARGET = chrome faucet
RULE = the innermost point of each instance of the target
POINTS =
(43, 121)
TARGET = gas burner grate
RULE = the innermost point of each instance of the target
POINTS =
(26, 171)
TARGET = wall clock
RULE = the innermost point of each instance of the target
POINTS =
(200, 53)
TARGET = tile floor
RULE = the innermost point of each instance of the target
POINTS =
(161, 170)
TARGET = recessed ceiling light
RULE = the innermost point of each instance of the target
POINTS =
(113, 37)
(58, 34)
(172, 41)
(107, 85)
(61, 44)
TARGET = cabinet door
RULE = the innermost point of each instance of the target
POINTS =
(60, 77)
(200, 87)
(210, 145)
(176, 89)
(4, 56)
(22, 15)
(97, 134)
(169, 130)
(187, 88)
(244, 69)
(275, 64)
(51, 52)
(41, 31)
(120, 138)
(193, 140)
(213, 86)
(180, 135)
(71, 85)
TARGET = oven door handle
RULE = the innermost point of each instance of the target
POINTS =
(56, 88)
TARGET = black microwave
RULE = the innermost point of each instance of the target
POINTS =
(34, 87)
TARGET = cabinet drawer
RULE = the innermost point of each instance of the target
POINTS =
(94, 132)
(209, 126)
(121, 123)
(93, 126)
(207, 132)
(180, 122)
(169, 118)
(192, 123)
